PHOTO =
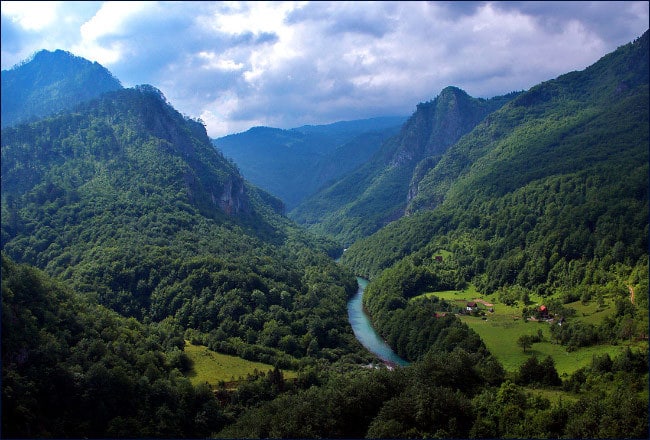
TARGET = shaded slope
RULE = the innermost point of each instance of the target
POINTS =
(377, 192)
(293, 164)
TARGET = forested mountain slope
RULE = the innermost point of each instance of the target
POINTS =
(50, 82)
(129, 202)
(367, 198)
(73, 369)
(547, 196)
(293, 164)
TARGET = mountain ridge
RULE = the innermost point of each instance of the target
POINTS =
(294, 163)
(49, 82)
(377, 192)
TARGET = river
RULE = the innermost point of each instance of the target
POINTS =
(364, 331)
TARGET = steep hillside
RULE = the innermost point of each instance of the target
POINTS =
(376, 193)
(547, 197)
(50, 82)
(293, 164)
(129, 203)
(73, 369)
(551, 129)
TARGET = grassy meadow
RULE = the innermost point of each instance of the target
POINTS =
(501, 329)
(213, 367)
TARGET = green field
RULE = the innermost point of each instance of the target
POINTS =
(467, 294)
(212, 367)
(500, 335)
(501, 329)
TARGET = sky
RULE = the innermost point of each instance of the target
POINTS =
(237, 65)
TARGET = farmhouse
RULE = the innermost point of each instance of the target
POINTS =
(471, 306)
(543, 312)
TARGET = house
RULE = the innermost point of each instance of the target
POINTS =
(438, 258)
(543, 312)
(471, 306)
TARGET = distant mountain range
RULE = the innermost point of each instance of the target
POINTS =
(293, 164)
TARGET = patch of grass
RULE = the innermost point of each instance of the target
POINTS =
(500, 334)
(591, 312)
(445, 254)
(467, 294)
(501, 329)
(213, 367)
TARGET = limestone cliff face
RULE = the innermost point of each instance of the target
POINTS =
(434, 126)
(211, 181)
(233, 200)
(439, 124)
(379, 191)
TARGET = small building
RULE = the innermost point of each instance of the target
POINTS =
(543, 312)
(438, 258)
(471, 306)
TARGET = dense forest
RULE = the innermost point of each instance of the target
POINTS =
(168, 227)
(127, 237)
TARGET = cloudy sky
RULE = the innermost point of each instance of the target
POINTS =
(284, 64)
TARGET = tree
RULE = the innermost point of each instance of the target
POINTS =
(525, 341)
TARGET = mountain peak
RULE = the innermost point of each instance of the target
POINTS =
(453, 90)
(49, 82)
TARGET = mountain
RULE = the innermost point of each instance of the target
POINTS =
(293, 164)
(377, 192)
(521, 144)
(547, 197)
(50, 82)
(128, 202)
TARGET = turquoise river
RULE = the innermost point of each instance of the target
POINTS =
(364, 331)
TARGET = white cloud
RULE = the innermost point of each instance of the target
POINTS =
(214, 61)
(32, 16)
(111, 18)
(285, 64)
(109, 21)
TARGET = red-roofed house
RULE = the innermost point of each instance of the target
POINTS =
(543, 311)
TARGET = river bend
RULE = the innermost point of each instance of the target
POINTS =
(364, 331)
